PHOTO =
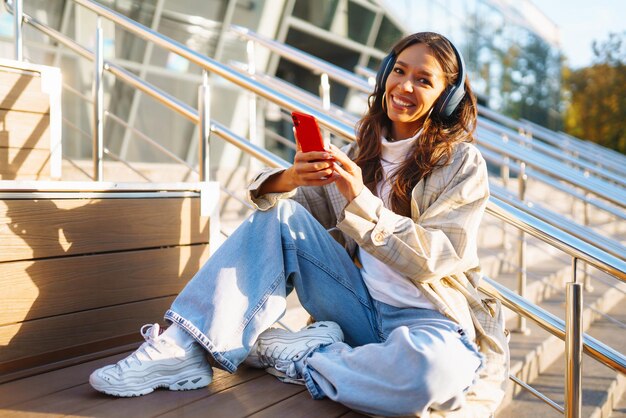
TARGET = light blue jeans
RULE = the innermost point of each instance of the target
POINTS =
(395, 361)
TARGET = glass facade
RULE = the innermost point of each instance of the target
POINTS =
(509, 47)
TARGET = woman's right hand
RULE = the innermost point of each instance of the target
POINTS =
(308, 169)
(311, 169)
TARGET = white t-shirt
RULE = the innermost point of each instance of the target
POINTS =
(384, 283)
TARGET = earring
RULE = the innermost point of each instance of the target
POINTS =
(384, 101)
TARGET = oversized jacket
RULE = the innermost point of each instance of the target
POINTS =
(435, 248)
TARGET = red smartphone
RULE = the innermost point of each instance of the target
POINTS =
(308, 132)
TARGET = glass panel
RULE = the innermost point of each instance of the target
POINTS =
(318, 12)
(360, 22)
(388, 35)
(336, 54)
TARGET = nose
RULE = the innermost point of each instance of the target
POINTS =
(407, 86)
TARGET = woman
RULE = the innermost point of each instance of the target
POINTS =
(397, 283)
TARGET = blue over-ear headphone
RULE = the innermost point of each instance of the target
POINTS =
(449, 99)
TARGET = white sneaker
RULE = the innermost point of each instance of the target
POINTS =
(158, 362)
(276, 349)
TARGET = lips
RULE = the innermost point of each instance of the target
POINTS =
(401, 102)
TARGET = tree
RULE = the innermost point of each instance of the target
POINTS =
(597, 95)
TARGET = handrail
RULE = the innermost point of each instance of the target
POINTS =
(574, 229)
(594, 257)
(496, 158)
(559, 239)
(553, 152)
(545, 134)
(214, 66)
(304, 59)
(546, 165)
(576, 145)
(552, 324)
(613, 155)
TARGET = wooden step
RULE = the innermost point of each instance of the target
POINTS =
(620, 409)
(44, 228)
(21, 88)
(81, 275)
(30, 121)
(248, 392)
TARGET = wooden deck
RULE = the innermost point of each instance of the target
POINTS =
(249, 392)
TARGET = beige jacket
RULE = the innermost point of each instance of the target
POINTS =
(435, 248)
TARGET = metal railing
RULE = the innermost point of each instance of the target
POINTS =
(556, 153)
(570, 329)
(585, 150)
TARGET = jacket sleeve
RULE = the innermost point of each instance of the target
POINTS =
(442, 240)
(268, 200)
(313, 198)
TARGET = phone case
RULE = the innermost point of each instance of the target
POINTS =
(308, 132)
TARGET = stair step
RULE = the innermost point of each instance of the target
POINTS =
(620, 409)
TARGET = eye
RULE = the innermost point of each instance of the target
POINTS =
(425, 81)
(398, 70)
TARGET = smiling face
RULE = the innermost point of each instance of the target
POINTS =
(413, 86)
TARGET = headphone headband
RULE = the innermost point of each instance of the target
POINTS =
(449, 99)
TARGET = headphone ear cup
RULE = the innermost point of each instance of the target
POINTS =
(385, 69)
(448, 102)
(440, 104)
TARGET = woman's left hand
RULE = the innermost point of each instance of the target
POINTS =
(349, 179)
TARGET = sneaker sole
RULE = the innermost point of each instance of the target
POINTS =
(180, 383)
(284, 378)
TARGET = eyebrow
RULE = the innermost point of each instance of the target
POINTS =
(421, 71)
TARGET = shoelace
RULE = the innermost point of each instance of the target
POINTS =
(288, 367)
(270, 359)
(149, 332)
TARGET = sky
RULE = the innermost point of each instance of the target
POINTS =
(582, 21)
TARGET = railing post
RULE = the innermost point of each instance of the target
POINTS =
(98, 103)
(208, 206)
(252, 127)
(586, 275)
(204, 112)
(325, 95)
(521, 274)
(573, 346)
(504, 175)
(17, 22)
(256, 133)
(325, 91)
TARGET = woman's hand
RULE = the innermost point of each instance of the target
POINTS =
(308, 169)
(347, 175)
(311, 168)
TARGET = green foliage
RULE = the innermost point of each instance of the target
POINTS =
(597, 95)
(531, 81)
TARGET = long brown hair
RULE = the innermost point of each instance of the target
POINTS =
(434, 146)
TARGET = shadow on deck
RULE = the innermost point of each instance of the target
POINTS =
(249, 392)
